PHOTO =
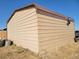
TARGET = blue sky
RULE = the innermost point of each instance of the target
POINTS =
(67, 7)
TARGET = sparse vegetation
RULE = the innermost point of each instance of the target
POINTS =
(13, 52)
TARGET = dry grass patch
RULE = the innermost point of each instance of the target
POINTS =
(70, 51)
(14, 52)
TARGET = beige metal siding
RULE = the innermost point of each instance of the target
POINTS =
(53, 32)
(39, 32)
(22, 29)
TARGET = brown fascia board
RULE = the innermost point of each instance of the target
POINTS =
(44, 10)
(23, 8)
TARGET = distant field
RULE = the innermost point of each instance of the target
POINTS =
(13, 52)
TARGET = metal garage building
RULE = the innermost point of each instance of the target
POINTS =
(39, 29)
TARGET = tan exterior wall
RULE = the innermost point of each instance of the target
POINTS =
(22, 29)
(53, 33)
(37, 32)
(3, 34)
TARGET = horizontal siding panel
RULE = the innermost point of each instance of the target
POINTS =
(23, 23)
(24, 11)
(29, 41)
(53, 36)
(54, 27)
(27, 17)
(45, 43)
(19, 16)
(21, 19)
(53, 32)
(23, 29)
(49, 18)
(28, 26)
(44, 33)
(31, 28)
(55, 42)
(31, 31)
(52, 22)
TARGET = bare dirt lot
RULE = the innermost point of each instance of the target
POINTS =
(13, 52)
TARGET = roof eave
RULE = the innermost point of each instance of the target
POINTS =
(38, 7)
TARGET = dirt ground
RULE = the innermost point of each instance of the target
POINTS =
(13, 52)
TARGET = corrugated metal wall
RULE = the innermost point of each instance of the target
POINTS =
(53, 33)
(39, 32)
(22, 29)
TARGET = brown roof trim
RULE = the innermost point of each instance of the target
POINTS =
(11, 16)
(57, 15)
(23, 8)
